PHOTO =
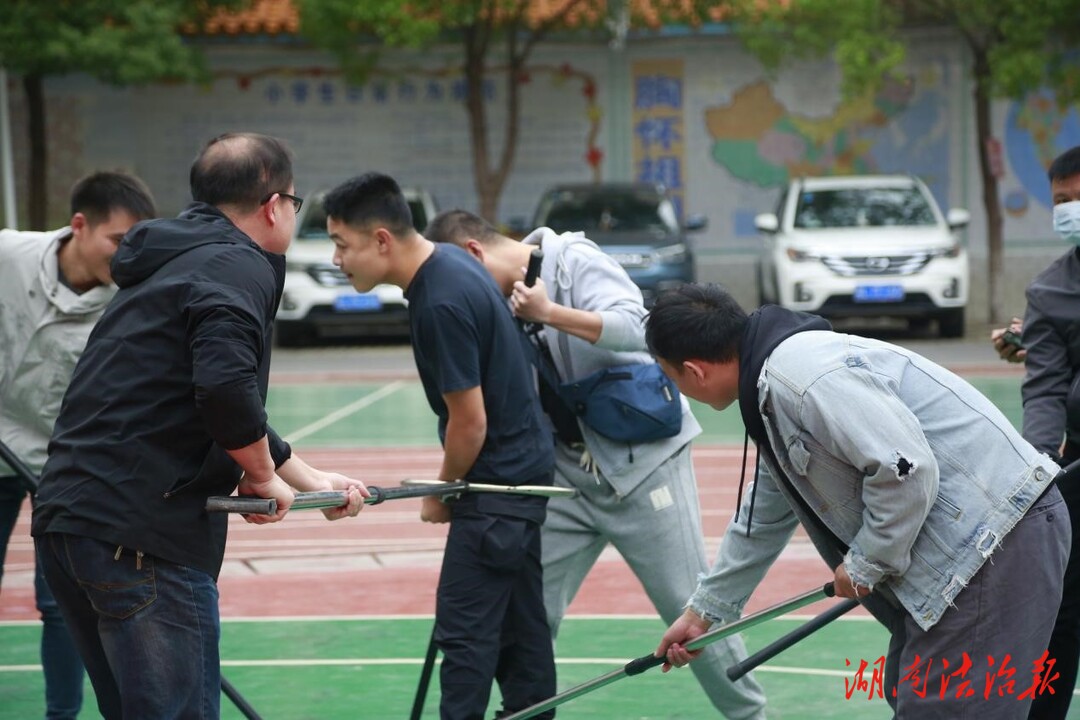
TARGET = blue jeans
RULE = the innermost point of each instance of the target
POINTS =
(147, 629)
(59, 658)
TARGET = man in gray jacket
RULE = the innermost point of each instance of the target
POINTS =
(906, 479)
(641, 498)
(53, 288)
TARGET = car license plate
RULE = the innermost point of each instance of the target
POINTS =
(357, 302)
(879, 293)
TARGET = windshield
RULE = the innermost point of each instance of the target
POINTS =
(313, 226)
(862, 207)
(607, 211)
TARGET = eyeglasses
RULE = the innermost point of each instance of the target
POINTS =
(298, 202)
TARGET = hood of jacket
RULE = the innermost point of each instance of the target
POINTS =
(768, 326)
(152, 243)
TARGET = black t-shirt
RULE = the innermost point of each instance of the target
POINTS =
(464, 336)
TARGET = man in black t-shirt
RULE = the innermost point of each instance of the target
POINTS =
(489, 618)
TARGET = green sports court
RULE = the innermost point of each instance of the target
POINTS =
(297, 645)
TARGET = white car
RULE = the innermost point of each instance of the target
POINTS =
(318, 301)
(857, 246)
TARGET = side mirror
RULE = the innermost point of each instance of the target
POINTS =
(957, 218)
(767, 223)
(696, 222)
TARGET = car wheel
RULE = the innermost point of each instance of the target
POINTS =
(951, 323)
(294, 334)
(918, 325)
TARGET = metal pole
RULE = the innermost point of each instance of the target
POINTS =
(643, 663)
(7, 157)
(779, 645)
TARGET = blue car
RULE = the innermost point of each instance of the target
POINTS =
(635, 223)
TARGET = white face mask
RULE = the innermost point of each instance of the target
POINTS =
(1067, 221)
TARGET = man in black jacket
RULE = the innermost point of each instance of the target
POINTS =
(1050, 347)
(166, 408)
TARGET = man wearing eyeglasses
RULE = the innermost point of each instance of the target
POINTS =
(166, 408)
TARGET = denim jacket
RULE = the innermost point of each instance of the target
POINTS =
(902, 461)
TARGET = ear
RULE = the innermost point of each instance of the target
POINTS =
(474, 248)
(697, 370)
(268, 210)
(383, 239)
(79, 224)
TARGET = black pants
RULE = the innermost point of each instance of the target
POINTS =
(490, 621)
(1065, 640)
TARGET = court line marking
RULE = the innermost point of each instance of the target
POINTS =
(421, 616)
(340, 413)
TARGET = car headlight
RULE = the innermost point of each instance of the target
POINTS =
(672, 254)
(949, 252)
(796, 255)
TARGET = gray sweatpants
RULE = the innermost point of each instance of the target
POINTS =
(657, 529)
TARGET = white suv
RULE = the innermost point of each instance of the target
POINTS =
(875, 245)
(319, 301)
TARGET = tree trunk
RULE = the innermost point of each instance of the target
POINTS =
(991, 198)
(490, 182)
(35, 103)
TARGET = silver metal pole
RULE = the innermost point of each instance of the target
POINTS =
(7, 156)
(636, 667)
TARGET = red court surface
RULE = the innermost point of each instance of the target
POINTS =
(386, 562)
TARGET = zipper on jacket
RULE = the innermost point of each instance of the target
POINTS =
(119, 550)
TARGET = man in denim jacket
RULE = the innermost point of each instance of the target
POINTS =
(906, 479)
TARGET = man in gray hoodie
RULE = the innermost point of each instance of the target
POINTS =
(639, 497)
(53, 288)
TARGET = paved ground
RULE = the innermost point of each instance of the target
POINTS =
(387, 561)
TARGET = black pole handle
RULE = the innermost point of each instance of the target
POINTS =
(781, 644)
(533, 270)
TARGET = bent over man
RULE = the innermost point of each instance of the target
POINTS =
(907, 480)
(641, 497)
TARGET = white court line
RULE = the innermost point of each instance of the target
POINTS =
(345, 411)
(384, 662)
(374, 617)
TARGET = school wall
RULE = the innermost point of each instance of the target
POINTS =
(697, 113)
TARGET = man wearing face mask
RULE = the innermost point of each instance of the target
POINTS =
(1050, 335)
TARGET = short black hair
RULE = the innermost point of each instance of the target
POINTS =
(241, 170)
(371, 198)
(695, 321)
(1065, 165)
(97, 195)
(457, 226)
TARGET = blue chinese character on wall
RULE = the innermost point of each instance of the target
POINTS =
(663, 169)
(653, 91)
(299, 91)
(380, 92)
(658, 131)
(327, 92)
(354, 93)
(434, 91)
(274, 93)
